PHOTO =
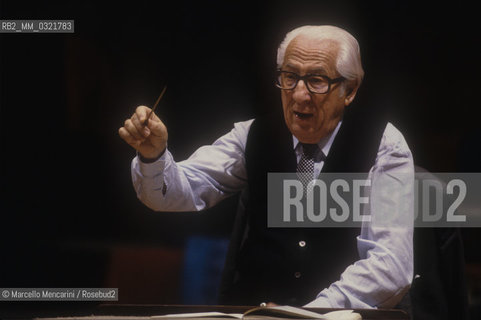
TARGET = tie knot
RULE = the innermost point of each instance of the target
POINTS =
(309, 150)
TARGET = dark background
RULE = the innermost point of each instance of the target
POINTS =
(69, 214)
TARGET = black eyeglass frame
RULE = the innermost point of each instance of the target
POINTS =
(329, 81)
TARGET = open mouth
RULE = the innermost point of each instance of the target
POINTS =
(301, 115)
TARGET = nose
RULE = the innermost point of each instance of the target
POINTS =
(301, 94)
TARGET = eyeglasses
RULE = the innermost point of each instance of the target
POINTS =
(315, 83)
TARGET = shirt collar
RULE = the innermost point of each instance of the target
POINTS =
(324, 144)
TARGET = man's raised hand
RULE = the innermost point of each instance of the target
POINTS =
(150, 140)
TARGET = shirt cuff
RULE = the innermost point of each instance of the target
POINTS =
(152, 169)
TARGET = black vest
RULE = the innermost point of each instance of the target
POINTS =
(292, 265)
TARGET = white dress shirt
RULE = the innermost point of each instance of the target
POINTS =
(384, 271)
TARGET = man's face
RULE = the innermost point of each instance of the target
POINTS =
(309, 116)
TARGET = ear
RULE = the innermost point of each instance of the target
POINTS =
(351, 91)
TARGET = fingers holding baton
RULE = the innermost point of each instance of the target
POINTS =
(145, 132)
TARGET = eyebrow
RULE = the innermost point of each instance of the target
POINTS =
(290, 66)
(317, 70)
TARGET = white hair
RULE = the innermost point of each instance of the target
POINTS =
(348, 62)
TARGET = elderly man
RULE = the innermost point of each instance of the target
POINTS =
(319, 74)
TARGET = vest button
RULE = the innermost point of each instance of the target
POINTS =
(297, 275)
(302, 243)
